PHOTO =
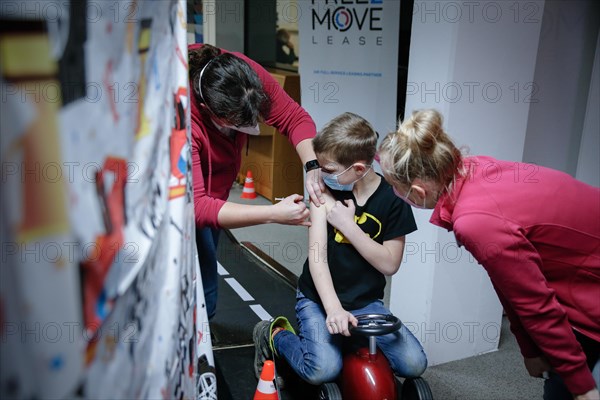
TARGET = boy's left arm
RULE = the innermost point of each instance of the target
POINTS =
(384, 257)
(337, 318)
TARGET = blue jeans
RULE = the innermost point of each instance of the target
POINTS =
(316, 356)
(207, 240)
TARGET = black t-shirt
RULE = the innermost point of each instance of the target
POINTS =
(383, 217)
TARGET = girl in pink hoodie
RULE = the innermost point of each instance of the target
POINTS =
(535, 230)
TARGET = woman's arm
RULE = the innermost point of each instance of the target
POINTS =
(289, 211)
(384, 257)
(337, 318)
(314, 184)
(514, 267)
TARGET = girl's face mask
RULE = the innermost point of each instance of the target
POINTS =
(333, 183)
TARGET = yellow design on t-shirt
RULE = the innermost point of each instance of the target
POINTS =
(372, 230)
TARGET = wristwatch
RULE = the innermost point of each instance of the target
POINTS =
(310, 165)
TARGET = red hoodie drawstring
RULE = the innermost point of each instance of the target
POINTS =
(209, 166)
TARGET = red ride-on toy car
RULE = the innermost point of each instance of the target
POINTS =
(366, 373)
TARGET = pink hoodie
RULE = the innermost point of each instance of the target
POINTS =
(216, 158)
(536, 231)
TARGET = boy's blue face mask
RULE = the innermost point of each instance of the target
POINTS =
(333, 183)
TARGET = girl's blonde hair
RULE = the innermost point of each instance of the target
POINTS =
(420, 149)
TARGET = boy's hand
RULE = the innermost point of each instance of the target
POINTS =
(338, 320)
(341, 216)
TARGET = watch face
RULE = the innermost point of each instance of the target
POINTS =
(310, 165)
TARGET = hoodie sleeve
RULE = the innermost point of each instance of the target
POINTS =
(287, 116)
(206, 208)
(538, 321)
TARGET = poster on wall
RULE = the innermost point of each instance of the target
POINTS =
(100, 289)
(349, 59)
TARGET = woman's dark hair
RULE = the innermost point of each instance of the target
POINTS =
(231, 89)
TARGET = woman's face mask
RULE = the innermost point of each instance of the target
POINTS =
(407, 200)
(333, 183)
(250, 130)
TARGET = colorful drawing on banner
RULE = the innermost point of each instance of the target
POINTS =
(182, 355)
(155, 73)
(129, 39)
(104, 180)
(206, 378)
(181, 57)
(70, 36)
(109, 85)
(144, 40)
(97, 303)
(181, 17)
(180, 150)
(38, 144)
(35, 217)
(124, 345)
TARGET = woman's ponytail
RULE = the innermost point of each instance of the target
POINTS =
(420, 149)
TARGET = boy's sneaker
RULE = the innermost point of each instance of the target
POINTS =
(262, 350)
(263, 342)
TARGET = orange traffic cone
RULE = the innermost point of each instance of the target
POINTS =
(266, 389)
(248, 191)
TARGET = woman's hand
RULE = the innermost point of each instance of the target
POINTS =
(342, 214)
(536, 366)
(315, 187)
(291, 211)
(337, 322)
(591, 395)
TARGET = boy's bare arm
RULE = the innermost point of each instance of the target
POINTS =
(317, 262)
(337, 317)
(386, 257)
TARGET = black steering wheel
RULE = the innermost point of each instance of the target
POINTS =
(375, 324)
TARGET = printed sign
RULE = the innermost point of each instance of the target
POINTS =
(349, 59)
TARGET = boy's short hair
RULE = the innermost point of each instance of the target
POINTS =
(347, 138)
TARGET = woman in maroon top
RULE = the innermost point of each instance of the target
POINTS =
(231, 94)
